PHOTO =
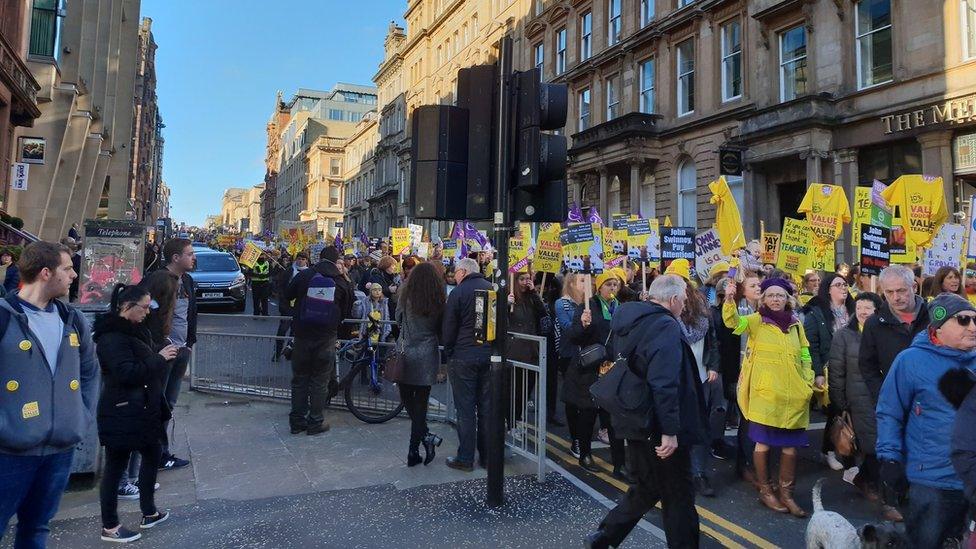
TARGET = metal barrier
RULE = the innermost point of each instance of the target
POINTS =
(243, 364)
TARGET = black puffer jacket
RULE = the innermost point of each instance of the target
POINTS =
(847, 388)
(526, 318)
(131, 409)
(577, 381)
(662, 357)
(883, 337)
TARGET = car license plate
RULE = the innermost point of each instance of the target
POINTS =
(212, 294)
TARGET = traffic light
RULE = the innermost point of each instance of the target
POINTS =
(540, 157)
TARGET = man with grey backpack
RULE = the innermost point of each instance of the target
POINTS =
(660, 421)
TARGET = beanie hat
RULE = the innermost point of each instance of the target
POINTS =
(603, 277)
(781, 282)
(679, 267)
(330, 253)
(619, 273)
(946, 306)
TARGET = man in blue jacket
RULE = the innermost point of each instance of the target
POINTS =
(50, 388)
(915, 424)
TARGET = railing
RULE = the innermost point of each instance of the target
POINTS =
(244, 364)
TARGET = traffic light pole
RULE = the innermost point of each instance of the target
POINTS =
(495, 440)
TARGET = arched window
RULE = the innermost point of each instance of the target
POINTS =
(614, 197)
(687, 194)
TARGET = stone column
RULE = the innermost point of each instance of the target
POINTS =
(604, 193)
(635, 185)
(573, 188)
(937, 161)
(813, 158)
(846, 175)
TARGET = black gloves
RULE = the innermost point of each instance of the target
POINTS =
(894, 482)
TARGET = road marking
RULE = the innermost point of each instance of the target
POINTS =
(711, 516)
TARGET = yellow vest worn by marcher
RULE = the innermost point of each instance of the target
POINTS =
(776, 381)
(261, 273)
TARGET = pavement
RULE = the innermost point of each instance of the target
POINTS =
(253, 484)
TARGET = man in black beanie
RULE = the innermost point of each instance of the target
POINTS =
(323, 299)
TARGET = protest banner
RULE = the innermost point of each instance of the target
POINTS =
(903, 249)
(610, 256)
(449, 251)
(399, 240)
(862, 214)
(548, 252)
(875, 251)
(349, 248)
(770, 249)
(518, 256)
(822, 259)
(416, 235)
(677, 242)
(945, 250)
(794, 247)
(227, 240)
(423, 250)
(250, 255)
(579, 243)
(708, 252)
(619, 228)
(971, 238)
(643, 240)
(297, 234)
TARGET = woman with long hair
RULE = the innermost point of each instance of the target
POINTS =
(551, 290)
(948, 280)
(775, 388)
(162, 285)
(419, 315)
(825, 314)
(565, 309)
(131, 409)
(526, 317)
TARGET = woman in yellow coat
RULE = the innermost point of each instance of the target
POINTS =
(775, 386)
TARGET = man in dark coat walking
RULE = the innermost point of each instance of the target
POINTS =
(468, 365)
(658, 444)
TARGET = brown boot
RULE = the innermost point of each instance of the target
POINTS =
(766, 494)
(891, 514)
(787, 475)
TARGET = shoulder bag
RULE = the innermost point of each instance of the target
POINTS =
(843, 436)
(395, 364)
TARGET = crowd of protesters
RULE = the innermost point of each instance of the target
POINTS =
(755, 350)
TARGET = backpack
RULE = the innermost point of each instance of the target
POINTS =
(318, 305)
(622, 392)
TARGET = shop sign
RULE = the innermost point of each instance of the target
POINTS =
(730, 162)
(954, 111)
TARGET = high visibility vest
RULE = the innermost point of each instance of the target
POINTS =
(261, 272)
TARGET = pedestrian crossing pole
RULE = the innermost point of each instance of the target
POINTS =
(495, 441)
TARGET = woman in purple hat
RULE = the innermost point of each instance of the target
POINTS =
(775, 386)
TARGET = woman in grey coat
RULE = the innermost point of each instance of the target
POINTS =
(419, 313)
(848, 392)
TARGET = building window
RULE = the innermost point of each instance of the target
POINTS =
(335, 166)
(561, 50)
(539, 7)
(584, 109)
(355, 116)
(686, 77)
(792, 63)
(540, 59)
(872, 27)
(968, 29)
(586, 38)
(647, 11)
(613, 97)
(44, 28)
(687, 195)
(731, 61)
(613, 22)
(335, 114)
(683, 3)
(647, 86)
(334, 196)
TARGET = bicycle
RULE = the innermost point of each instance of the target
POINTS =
(369, 396)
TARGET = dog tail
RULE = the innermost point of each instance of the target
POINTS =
(817, 501)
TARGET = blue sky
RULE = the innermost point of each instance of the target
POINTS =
(218, 66)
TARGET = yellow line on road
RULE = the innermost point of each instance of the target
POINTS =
(721, 538)
(709, 515)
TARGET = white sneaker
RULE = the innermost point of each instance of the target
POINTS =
(603, 436)
(851, 474)
(832, 462)
(129, 491)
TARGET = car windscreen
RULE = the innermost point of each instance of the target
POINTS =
(214, 263)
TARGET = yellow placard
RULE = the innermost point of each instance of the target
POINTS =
(250, 255)
(822, 259)
(770, 249)
(518, 261)
(548, 250)
(794, 247)
(862, 214)
(399, 240)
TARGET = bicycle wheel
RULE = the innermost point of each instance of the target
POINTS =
(369, 403)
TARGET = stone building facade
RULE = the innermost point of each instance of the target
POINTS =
(803, 91)
(86, 122)
(146, 174)
(360, 182)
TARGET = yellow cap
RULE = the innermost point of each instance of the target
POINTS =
(620, 273)
(679, 267)
(12, 385)
(603, 277)
(74, 384)
(719, 267)
(25, 345)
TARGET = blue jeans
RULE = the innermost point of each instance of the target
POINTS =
(31, 488)
(472, 395)
(934, 515)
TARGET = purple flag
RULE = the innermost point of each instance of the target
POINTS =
(575, 215)
(457, 233)
(338, 239)
(471, 232)
(595, 216)
(364, 238)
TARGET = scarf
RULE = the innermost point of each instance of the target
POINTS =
(841, 317)
(781, 319)
(608, 307)
(696, 331)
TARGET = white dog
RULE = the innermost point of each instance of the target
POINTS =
(830, 530)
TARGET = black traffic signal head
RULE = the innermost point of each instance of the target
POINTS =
(540, 157)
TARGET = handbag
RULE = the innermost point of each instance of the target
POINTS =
(395, 365)
(593, 356)
(843, 436)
